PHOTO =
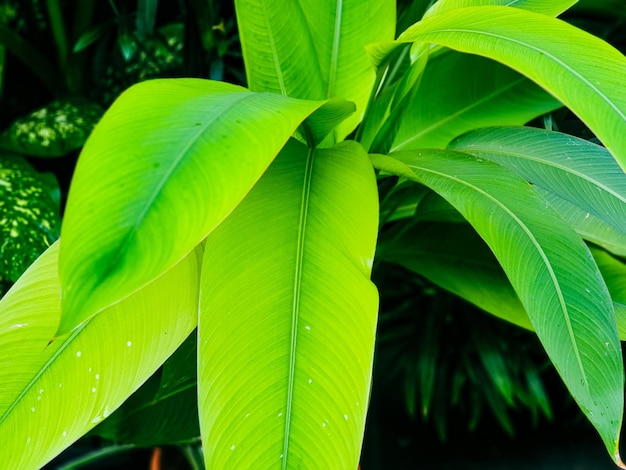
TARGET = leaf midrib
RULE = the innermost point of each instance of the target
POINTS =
(297, 288)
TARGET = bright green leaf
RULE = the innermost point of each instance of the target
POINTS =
(288, 316)
(445, 107)
(545, 7)
(550, 268)
(63, 389)
(574, 169)
(314, 50)
(587, 79)
(185, 153)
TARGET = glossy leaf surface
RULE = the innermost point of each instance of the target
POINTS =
(445, 107)
(588, 79)
(545, 7)
(185, 153)
(550, 268)
(574, 169)
(288, 316)
(314, 50)
(63, 389)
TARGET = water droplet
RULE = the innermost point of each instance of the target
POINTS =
(32, 409)
(282, 455)
(78, 353)
(89, 370)
(345, 417)
(232, 447)
(60, 384)
(96, 419)
(323, 425)
(129, 343)
(280, 414)
(247, 414)
(64, 433)
(97, 377)
(310, 381)
(93, 390)
(40, 391)
(39, 398)
(308, 328)
(28, 440)
(106, 412)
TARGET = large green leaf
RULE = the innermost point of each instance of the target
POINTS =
(168, 161)
(164, 410)
(587, 79)
(53, 393)
(288, 316)
(455, 258)
(550, 268)
(314, 50)
(545, 7)
(588, 226)
(574, 169)
(29, 216)
(444, 107)
(614, 273)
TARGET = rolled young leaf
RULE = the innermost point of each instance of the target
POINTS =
(54, 393)
(550, 268)
(288, 316)
(149, 186)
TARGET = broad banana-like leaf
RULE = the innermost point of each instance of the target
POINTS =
(455, 258)
(550, 268)
(574, 169)
(539, 47)
(288, 316)
(54, 393)
(314, 50)
(168, 161)
(164, 410)
(545, 7)
(588, 226)
(445, 107)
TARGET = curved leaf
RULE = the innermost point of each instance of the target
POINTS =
(445, 107)
(288, 316)
(550, 268)
(545, 7)
(51, 395)
(538, 46)
(456, 259)
(574, 169)
(614, 273)
(149, 186)
(314, 50)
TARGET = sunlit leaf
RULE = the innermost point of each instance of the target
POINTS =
(184, 153)
(288, 316)
(545, 7)
(314, 50)
(63, 389)
(550, 268)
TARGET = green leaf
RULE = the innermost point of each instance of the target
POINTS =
(550, 268)
(29, 217)
(314, 50)
(545, 7)
(574, 169)
(614, 273)
(539, 47)
(168, 161)
(445, 107)
(52, 131)
(164, 410)
(588, 226)
(455, 258)
(63, 389)
(285, 294)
